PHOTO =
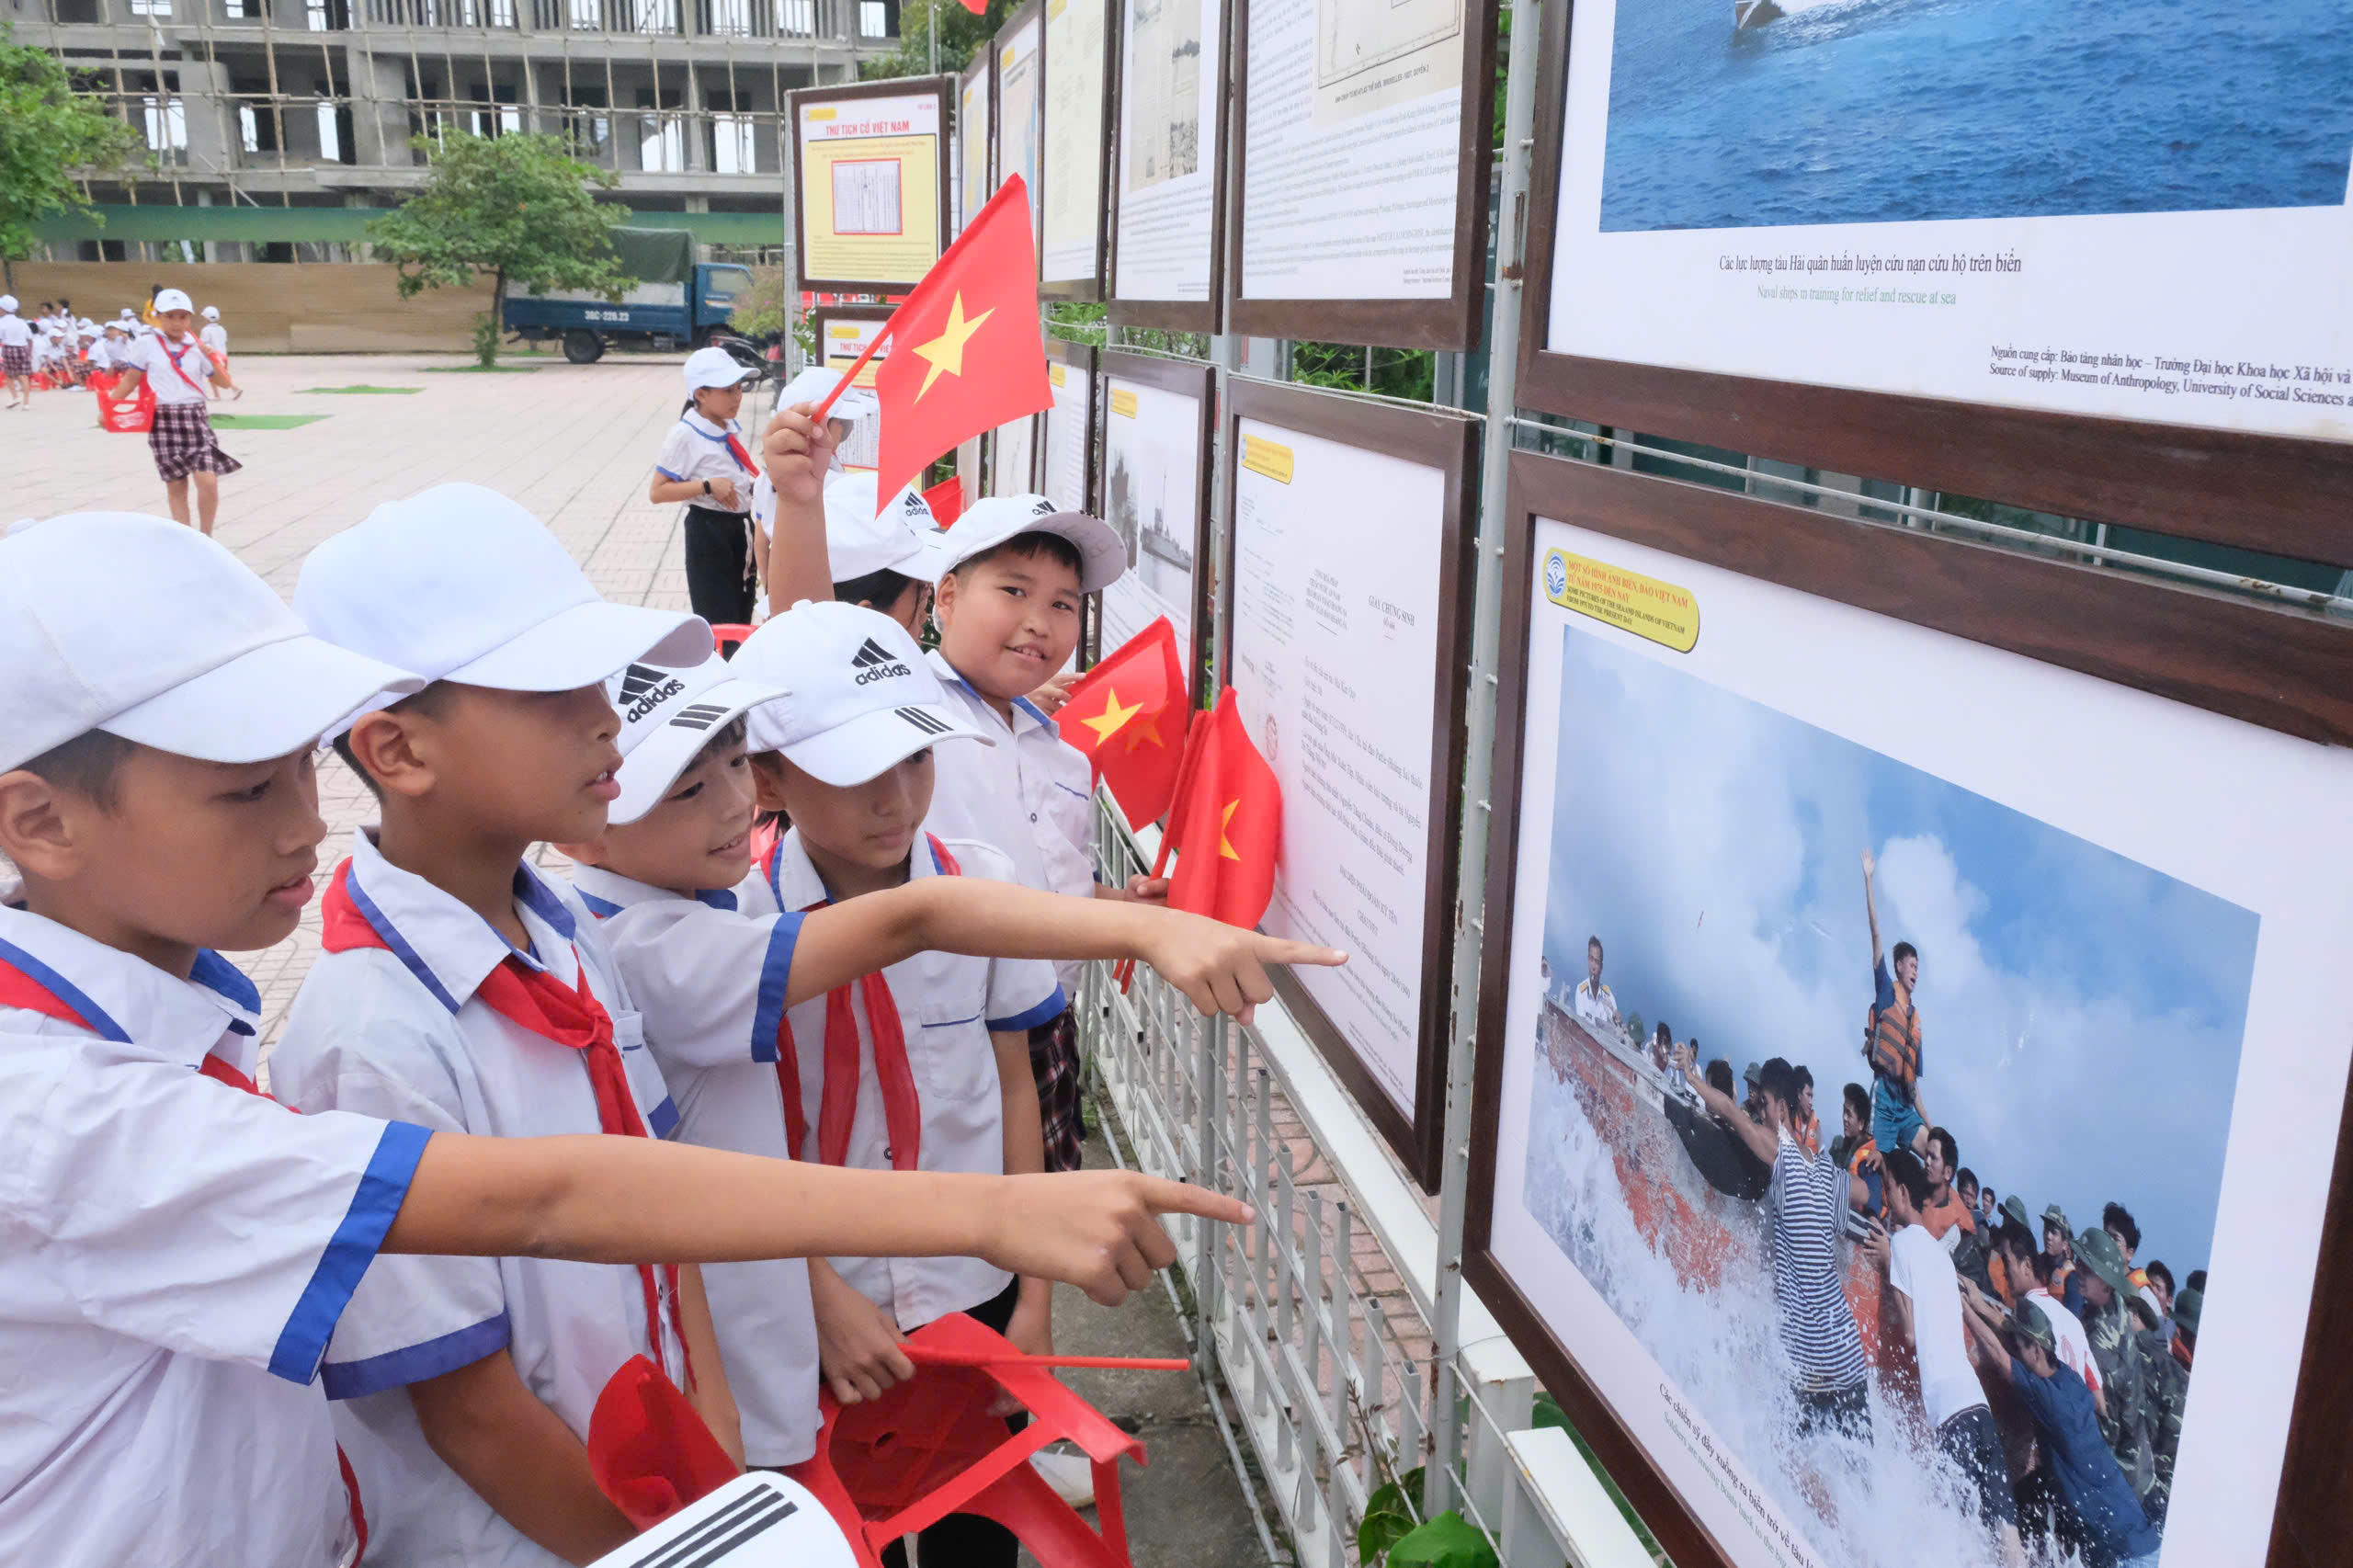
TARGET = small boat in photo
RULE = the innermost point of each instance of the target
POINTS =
(1747, 14)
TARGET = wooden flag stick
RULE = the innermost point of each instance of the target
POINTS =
(926, 1356)
(818, 417)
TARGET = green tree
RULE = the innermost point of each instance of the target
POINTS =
(515, 207)
(47, 131)
(960, 33)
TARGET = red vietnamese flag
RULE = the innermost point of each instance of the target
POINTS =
(1228, 826)
(967, 352)
(1128, 715)
(946, 500)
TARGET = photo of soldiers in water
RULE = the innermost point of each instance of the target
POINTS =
(1888, 1118)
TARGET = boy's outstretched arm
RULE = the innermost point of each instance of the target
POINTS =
(797, 451)
(603, 1199)
(1220, 968)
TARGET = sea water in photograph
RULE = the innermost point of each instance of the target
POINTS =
(1739, 114)
(2082, 1016)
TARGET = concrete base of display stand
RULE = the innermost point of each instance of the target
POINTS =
(1559, 1513)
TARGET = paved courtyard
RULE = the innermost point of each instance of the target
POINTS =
(574, 444)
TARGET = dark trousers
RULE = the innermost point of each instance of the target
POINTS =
(719, 565)
(968, 1540)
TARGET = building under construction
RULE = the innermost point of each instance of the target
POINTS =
(278, 127)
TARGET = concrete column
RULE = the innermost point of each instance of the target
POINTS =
(361, 249)
(379, 109)
(698, 135)
(212, 121)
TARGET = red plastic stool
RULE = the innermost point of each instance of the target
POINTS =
(725, 639)
(648, 1448)
(929, 1447)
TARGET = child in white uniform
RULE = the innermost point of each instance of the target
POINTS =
(175, 365)
(717, 969)
(705, 463)
(161, 1316)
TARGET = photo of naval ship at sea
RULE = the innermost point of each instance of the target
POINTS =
(1137, 508)
(1786, 112)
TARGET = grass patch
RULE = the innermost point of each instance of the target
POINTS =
(479, 369)
(264, 421)
(362, 392)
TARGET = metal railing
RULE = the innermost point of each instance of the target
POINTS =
(1301, 1316)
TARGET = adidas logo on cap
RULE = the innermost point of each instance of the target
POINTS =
(645, 689)
(700, 716)
(873, 662)
(1044, 508)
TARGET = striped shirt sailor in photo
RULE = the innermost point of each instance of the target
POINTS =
(1809, 1200)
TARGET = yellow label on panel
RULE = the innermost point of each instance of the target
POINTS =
(1269, 457)
(1123, 403)
(1060, 373)
(842, 329)
(1664, 613)
(824, 113)
(1005, 60)
(1055, 8)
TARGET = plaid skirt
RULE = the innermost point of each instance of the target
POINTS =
(17, 359)
(183, 443)
(1054, 1063)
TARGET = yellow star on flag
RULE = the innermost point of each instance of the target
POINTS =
(1144, 730)
(1225, 844)
(946, 352)
(1107, 724)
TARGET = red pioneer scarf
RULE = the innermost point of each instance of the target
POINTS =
(737, 446)
(838, 1110)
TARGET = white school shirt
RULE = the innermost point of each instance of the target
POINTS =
(14, 333)
(174, 1254)
(214, 336)
(1030, 795)
(948, 1004)
(697, 450)
(401, 1032)
(708, 982)
(158, 358)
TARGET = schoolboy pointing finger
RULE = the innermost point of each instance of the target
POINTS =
(1100, 1229)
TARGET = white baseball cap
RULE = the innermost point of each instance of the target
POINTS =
(715, 368)
(460, 584)
(8, 301)
(863, 701)
(667, 716)
(815, 384)
(129, 315)
(900, 537)
(149, 631)
(212, 313)
(1102, 554)
(170, 300)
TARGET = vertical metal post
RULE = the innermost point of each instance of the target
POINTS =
(1486, 629)
(1210, 1096)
